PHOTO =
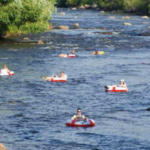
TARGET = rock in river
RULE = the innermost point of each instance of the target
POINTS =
(127, 24)
(2, 147)
(63, 27)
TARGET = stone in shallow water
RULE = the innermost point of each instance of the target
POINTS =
(63, 27)
(148, 109)
(127, 24)
(112, 17)
(126, 17)
(76, 25)
(145, 17)
(2, 147)
(62, 13)
(40, 42)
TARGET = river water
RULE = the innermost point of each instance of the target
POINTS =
(33, 112)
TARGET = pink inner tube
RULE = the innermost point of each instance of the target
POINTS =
(74, 123)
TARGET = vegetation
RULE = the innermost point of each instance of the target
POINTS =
(25, 16)
(137, 6)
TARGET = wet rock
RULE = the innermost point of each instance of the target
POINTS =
(145, 34)
(145, 22)
(62, 13)
(102, 12)
(63, 27)
(127, 24)
(74, 8)
(105, 33)
(40, 42)
(87, 6)
(26, 38)
(76, 25)
(148, 109)
(50, 27)
(126, 17)
(112, 17)
(103, 28)
(94, 6)
(13, 102)
(81, 7)
(145, 17)
(2, 147)
(114, 11)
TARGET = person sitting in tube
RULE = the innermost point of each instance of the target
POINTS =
(62, 76)
(5, 70)
(79, 116)
(123, 84)
(96, 52)
(66, 55)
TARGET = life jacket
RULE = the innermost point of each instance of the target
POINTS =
(81, 118)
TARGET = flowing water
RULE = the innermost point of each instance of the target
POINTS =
(33, 112)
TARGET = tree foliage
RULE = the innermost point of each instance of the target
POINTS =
(142, 6)
(25, 16)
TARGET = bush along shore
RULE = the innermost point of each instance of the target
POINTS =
(25, 16)
(129, 6)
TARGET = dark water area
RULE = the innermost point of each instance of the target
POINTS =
(33, 112)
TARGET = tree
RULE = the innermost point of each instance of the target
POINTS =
(25, 16)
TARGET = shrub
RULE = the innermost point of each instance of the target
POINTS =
(26, 16)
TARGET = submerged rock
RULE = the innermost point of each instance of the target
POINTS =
(127, 24)
(145, 17)
(40, 42)
(94, 6)
(74, 8)
(26, 38)
(63, 27)
(102, 12)
(112, 17)
(62, 13)
(144, 34)
(50, 27)
(76, 25)
(2, 147)
(126, 17)
(81, 7)
(148, 109)
(87, 6)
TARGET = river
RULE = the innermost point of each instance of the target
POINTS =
(33, 113)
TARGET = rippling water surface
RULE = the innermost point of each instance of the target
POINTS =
(33, 113)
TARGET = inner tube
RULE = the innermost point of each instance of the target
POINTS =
(115, 89)
(71, 56)
(58, 80)
(5, 73)
(74, 123)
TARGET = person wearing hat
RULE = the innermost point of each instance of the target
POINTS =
(97, 52)
(123, 84)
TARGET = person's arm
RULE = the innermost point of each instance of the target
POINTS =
(74, 117)
(84, 118)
